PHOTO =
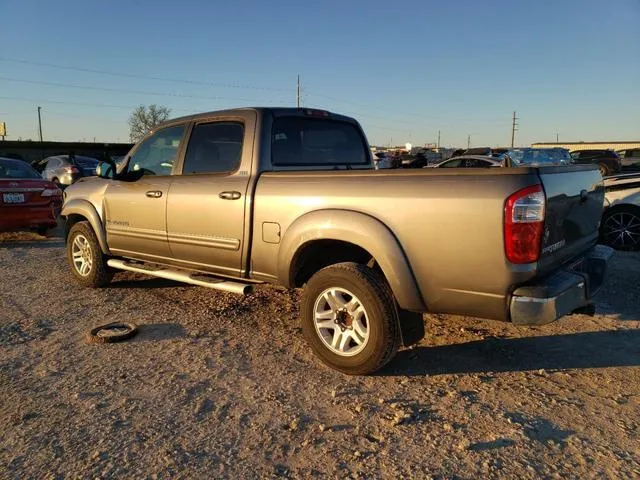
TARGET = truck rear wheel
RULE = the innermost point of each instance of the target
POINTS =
(88, 264)
(349, 318)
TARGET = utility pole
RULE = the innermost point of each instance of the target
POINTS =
(557, 141)
(468, 141)
(40, 123)
(298, 92)
(438, 144)
(514, 128)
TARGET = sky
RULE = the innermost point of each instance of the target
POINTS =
(405, 69)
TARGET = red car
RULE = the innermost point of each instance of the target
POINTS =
(27, 201)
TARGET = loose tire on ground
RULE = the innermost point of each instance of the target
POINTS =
(82, 237)
(111, 333)
(373, 294)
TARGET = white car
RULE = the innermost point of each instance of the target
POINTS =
(620, 226)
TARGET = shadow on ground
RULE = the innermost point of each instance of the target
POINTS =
(41, 242)
(154, 332)
(147, 282)
(617, 348)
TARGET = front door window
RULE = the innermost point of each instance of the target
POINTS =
(157, 154)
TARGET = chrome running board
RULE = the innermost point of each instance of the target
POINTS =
(192, 278)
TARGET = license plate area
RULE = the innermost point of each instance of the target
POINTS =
(13, 197)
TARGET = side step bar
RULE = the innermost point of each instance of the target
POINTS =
(199, 279)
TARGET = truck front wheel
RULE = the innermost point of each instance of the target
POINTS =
(88, 264)
(349, 318)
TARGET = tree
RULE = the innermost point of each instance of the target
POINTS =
(143, 119)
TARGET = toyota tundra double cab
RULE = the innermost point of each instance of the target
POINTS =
(287, 196)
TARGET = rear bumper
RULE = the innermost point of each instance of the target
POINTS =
(28, 217)
(550, 298)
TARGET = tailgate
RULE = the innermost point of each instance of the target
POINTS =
(575, 197)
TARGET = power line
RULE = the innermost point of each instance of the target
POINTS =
(83, 104)
(84, 118)
(400, 112)
(121, 90)
(144, 77)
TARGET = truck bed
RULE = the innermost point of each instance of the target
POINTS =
(448, 223)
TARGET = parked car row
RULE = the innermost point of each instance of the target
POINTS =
(63, 170)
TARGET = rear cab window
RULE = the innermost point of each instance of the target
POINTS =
(317, 142)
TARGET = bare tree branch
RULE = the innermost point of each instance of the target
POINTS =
(143, 119)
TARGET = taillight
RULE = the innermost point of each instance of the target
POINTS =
(524, 224)
(72, 169)
(51, 192)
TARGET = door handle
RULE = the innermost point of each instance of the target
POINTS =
(154, 194)
(230, 195)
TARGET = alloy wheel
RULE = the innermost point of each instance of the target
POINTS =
(341, 321)
(622, 230)
(82, 255)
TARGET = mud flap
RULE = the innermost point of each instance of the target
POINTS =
(411, 327)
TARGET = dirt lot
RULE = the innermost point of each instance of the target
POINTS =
(221, 386)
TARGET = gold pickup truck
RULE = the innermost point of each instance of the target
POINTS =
(289, 196)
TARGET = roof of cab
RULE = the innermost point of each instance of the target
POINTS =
(278, 111)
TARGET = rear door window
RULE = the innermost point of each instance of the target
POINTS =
(300, 141)
(214, 148)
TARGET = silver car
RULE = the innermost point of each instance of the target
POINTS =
(468, 161)
(66, 169)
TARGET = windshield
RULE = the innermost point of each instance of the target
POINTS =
(16, 169)
(539, 156)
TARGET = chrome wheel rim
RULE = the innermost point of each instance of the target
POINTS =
(81, 255)
(622, 230)
(341, 322)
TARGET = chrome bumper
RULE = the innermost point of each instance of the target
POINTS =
(546, 300)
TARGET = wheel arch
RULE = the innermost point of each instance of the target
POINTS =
(325, 237)
(79, 210)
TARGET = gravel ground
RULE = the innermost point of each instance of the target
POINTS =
(216, 385)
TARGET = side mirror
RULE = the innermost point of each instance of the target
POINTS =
(106, 169)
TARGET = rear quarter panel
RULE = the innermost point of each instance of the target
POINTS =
(449, 225)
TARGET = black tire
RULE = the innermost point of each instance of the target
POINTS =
(620, 228)
(374, 294)
(99, 274)
(604, 169)
(111, 333)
